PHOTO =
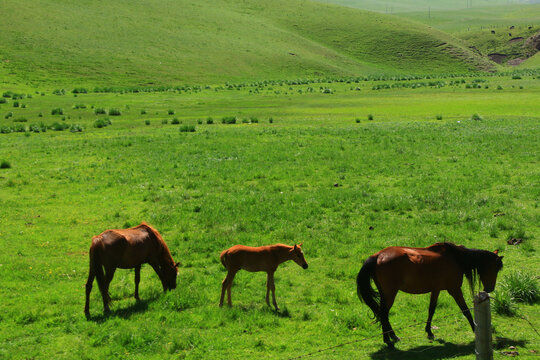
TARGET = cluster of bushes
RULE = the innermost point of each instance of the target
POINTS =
(111, 112)
(15, 96)
(40, 127)
(413, 85)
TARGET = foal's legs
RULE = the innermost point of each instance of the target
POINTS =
(226, 285)
(270, 286)
(458, 297)
(432, 305)
(137, 279)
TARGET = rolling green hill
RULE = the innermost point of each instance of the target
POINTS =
(170, 42)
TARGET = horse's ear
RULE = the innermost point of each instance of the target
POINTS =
(300, 245)
(295, 246)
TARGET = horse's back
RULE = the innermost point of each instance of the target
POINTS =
(125, 248)
(249, 258)
(417, 270)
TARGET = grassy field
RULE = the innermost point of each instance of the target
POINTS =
(303, 163)
(170, 42)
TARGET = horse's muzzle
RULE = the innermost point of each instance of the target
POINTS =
(305, 266)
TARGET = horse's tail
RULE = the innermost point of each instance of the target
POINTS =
(366, 293)
(223, 257)
(96, 265)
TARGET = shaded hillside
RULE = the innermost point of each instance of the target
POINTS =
(171, 42)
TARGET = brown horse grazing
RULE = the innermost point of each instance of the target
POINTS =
(126, 249)
(438, 267)
(263, 258)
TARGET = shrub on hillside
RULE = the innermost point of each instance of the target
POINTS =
(187, 128)
(476, 117)
(100, 123)
(209, 120)
(4, 164)
(57, 111)
(522, 287)
(100, 111)
(228, 120)
(175, 121)
(75, 128)
(114, 112)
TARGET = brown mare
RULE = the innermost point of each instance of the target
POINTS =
(438, 267)
(263, 258)
(126, 249)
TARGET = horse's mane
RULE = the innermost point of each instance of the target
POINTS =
(164, 248)
(469, 260)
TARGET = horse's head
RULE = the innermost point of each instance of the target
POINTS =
(170, 272)
(297, 256)
(489, 269)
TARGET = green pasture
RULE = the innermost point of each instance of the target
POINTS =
(303, 163)
(168, 42)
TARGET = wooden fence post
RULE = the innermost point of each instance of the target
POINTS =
(482, 319)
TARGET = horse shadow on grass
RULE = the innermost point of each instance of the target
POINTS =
(441, 350)
(124, 312)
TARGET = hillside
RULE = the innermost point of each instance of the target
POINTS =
(169, 42)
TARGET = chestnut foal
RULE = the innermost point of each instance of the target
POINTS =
(262, 258)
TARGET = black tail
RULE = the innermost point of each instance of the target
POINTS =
(97, 267)
(365, 291)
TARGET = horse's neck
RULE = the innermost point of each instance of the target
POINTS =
(283, 253)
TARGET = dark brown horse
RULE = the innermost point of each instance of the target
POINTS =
(262, 258)
(438, 267)
(126, 249)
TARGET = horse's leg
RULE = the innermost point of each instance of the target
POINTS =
(226, 286)
(458, 297)
(109, 274)
(271, 286)
(432, 305)
(137, 279)
(387, 300)
(89, 284)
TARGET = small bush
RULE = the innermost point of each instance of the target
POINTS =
(100, 123)
(209, 120)
(41, 127)
(187, 128)
(228, 120)
(357, 120)
(170, 112)
(143, 112)
(79, 106)
(164, 121)
(3, 101)
(114, 112)
(175, 121)
(199, 121)
(271, 120)
(80, 91)
(4, 164)
(439, 117)
(147, 122)
(5, 130)
(370, 117)
(499, 87)
(40, 115)
(58, 126)
(503, 303)
(100, 111)
(254, 120)
(15, 104)
(8, 115)
(522, 287)
(21, 119)
(75, 128)
(476, 117)
(57, 111)
(59, 92)
(19, 128)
